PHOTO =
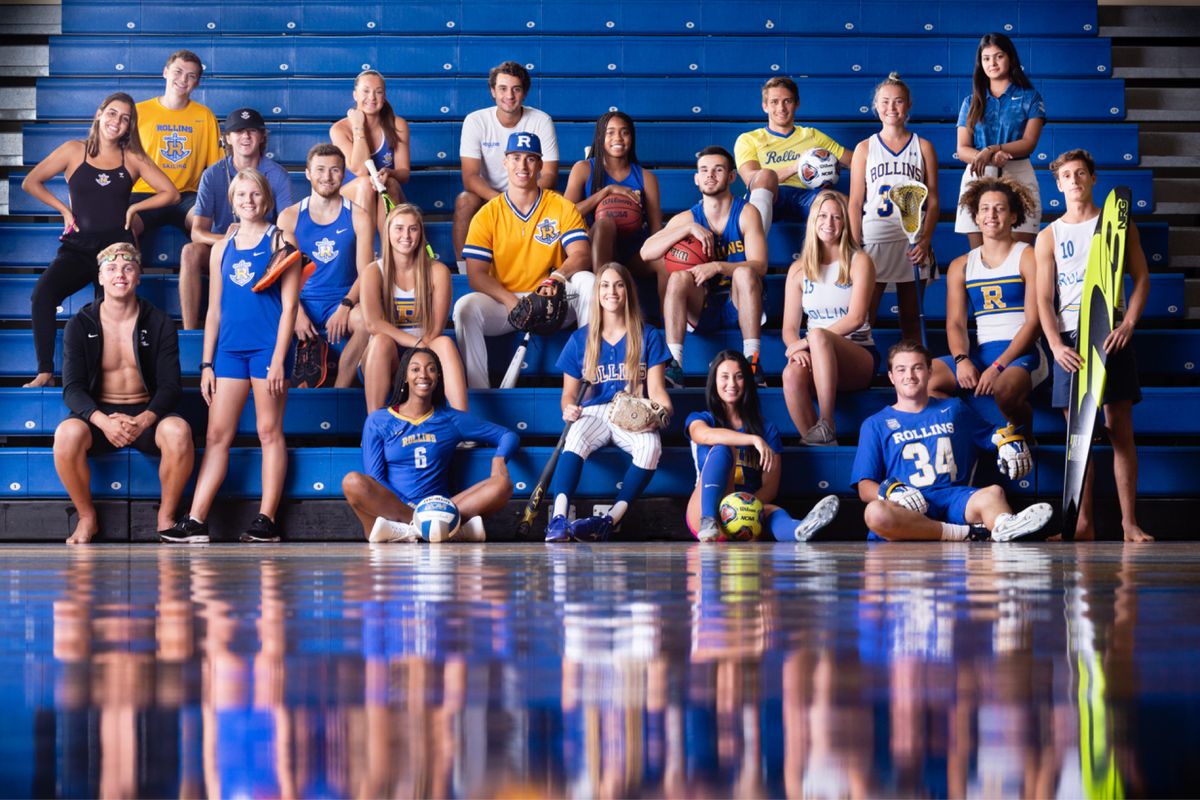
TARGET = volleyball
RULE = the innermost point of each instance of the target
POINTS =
(437, 518)
(741, 516)
(817, 168)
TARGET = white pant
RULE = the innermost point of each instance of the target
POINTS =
(477, 316)
(1021, 172)
(593, 430)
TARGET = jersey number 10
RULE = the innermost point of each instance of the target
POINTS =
(927, 473)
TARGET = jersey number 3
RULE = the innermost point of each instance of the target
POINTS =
(927, 472)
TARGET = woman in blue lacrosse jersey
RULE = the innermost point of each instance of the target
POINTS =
(247, 345)
(407, 451)
(737, 450)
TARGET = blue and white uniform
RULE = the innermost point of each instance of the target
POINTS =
(593, 430)
(249, 320)
(412, 456)
(405, 302)
(883, 237)
(827, 301)
(997, 301)
(933, 450)
(729, 245)
(747, 465)
(383, 158)
(333, 250)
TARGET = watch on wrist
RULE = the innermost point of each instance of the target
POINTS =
(205, 365)
(347, 302)
(961, 357)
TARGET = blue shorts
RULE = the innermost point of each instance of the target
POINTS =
(246, 364)
(319, 310)
(1034, 362)
(948, 504)
(793, 202)
(718, 312)
(1121, 382)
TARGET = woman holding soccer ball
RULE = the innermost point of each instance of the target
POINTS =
(407, 450)
(737, 450)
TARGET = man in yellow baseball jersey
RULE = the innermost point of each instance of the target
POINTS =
(767, 157)
(181, 136)
(520, 239)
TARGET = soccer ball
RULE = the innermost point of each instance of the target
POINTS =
(436, 518)
(741, 516)
(817, 168)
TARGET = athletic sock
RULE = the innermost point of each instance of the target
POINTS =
(562, 504)
(750, 347)
(781, 526)
(764, 201)
(954, 533)
(565, 480)
(462, 267)
(714, 477)
(617, 511)
(632, 485)
(676, 351)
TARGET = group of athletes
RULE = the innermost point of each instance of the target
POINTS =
(535, 260)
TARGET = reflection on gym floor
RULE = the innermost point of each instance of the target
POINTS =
(942, 670)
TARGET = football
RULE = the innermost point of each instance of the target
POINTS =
(436, 518)
(623, 210)
(817, 169)
(741, 516)
(685, 254)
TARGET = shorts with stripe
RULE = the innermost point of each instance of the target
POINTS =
(593, 430)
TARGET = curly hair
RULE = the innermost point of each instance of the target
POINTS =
(1020, 199)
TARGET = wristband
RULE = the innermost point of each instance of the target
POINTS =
(961, 357)
(347, 302)
(205, 365)
(558, 276)
(999, 367)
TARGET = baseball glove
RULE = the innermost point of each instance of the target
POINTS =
(636, 414)
(542, 312)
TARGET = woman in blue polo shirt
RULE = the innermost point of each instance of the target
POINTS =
(998, 128)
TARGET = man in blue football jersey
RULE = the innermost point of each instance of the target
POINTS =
(916, 458)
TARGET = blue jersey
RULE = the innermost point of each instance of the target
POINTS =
(383, 158)
(332, 249)
(635, 180)
(249, 319)
(610, 363)
(729, 245)
(934, 447)
(747, 468)
(412, 456)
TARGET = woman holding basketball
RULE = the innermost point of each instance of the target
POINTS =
(407, 450)
(831, 283)
(247, 345)
(100, 172)
(616, 195)
(406, 301)
(998, 129)
(737, 450)
(892, 157)
(615, 353)
(372, 132)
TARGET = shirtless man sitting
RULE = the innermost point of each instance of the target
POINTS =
(120, 397)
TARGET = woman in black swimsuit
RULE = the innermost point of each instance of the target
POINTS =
(100, 172)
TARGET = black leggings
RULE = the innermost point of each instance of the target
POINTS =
(73, 267)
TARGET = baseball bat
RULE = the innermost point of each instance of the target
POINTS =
(539, 491)
(514, 367)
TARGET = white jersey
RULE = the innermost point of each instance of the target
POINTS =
(1072, 244)
(996, 295)
(484, 138)
(885, 169)
(827, 301)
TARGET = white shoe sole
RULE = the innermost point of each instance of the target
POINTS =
(386, 530)
(1025, 523)
(821, 515)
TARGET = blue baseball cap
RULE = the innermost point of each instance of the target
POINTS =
(524, 142)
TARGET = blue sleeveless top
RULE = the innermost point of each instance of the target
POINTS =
(332, 250)
(249, 320)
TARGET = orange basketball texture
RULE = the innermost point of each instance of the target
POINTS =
(623, 210)
(685, 254)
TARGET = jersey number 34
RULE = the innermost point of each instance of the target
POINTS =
(927, 471)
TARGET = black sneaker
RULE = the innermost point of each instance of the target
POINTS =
(186, 531)
(979, 533)
(760, 378)
(262, 529)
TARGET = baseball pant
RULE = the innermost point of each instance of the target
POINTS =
(593, 430)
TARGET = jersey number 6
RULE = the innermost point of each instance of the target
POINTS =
(420, 461)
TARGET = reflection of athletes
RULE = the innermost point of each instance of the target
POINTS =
(916, 458)
(407, 450)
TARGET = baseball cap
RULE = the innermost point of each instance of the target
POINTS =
(523, 142)
(242, 118)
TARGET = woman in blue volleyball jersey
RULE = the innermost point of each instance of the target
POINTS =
(247, 345)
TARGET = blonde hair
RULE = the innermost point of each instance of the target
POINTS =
(110, 252)
(633, 331)
(810, 256)
(423, 288)
(893, 79)
(260, 180)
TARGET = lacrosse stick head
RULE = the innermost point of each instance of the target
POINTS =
(909, 200)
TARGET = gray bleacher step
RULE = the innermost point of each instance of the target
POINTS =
(1148, 21)
(1162, 104)
(31, 19)
(1139, 61)
(1176, 196)
(17, 102)
(10, 149)
(25, 61)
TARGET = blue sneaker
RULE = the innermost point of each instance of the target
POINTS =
(674, 375)
(592, 529)
(558, 530)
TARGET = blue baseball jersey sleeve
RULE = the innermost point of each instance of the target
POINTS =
(747, 468)
(610, 364)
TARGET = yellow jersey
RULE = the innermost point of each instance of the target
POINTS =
(524, 248)
(774, 150)
(182, 143)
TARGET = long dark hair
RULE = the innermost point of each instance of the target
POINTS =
(599, 173)
(980, 85)
(131, 142)
(387, 116)
(400, 383)
(748, 407)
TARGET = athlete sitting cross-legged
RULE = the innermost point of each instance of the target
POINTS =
(915, 460)
(407, 449)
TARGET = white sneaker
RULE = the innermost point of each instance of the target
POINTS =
(709, 530)
(821, 515)
(390, 530)
(470, 531)
(1011, 527)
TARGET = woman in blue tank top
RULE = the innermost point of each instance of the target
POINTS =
(371, 131)
(247, 345)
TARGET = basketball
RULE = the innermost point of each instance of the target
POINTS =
(741, 516)
(685, 254)
(623, 210)
(817, 169)
(437, 518)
